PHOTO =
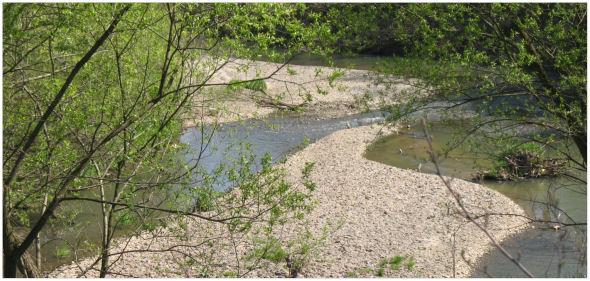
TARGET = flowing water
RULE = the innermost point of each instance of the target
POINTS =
(281, 135)
(544, 251)
(275, 136)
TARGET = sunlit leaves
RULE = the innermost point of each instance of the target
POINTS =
(133, 79)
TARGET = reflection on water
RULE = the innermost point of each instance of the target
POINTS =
(544, 251)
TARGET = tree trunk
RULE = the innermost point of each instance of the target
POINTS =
(38, 251)
(104, 263)
(38, 241)
(25, 263)
(580, 141)
(9, 267)
(27, 266)
(15, 252)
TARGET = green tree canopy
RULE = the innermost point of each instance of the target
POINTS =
(535, 53)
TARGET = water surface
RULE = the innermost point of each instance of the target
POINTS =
(544, 251)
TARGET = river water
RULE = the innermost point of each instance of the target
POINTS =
(544, 251)
(277, 136)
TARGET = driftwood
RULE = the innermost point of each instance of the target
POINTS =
(523, 165)
(280, 105)
(262, 98)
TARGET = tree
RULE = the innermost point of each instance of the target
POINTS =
(93, 95)
(517, 64)
(366, 30)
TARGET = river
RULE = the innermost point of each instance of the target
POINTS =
(545, 251)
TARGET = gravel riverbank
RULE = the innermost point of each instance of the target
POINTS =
(371, 211)
(390, 211)
(322, 92)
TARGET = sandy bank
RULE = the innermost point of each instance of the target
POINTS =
(380, 211)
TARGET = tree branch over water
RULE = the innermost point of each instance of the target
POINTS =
(467, 214)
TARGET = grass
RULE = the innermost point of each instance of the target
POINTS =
(394, 264)
(254, 85)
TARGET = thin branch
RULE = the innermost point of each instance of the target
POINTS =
(57, 99)
(20, 250)
(177, 212)
(466, 213)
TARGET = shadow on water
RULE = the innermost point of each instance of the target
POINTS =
(544, 251)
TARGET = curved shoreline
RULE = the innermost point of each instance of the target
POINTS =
(400, 212)
(382, 212)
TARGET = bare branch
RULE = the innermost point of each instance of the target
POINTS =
(466, 213)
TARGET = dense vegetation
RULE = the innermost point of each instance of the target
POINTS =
(522, 65)
(93, 95)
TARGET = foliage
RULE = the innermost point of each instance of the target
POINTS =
(410, 263)
(367, 28)
(307, 182)
(394, 264)
(363, 101)
(304, 143)
(294, 253)
(230, 274)
(529, 147)
(93, 100)
(333, 76)
(520, 68)
(204, 198)
(62, 252)
(269, 249)
(385, 266)
(526, 160)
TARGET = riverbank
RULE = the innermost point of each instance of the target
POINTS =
(318, 91)
(371, 211)
(390, 211)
